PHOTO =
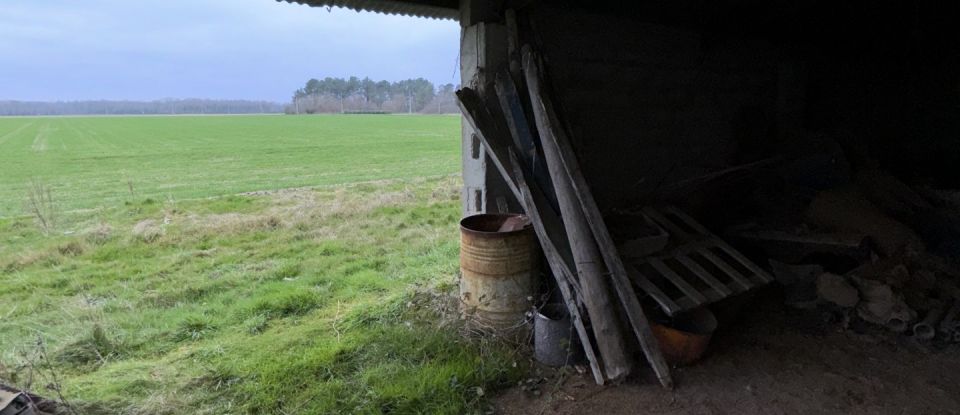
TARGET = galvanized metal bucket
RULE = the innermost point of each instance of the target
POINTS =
(552, 336)
(498, 265)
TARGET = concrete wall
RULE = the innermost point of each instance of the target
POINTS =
(483, 52)
(650, 104)
(481, 183)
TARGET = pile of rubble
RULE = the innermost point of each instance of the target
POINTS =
(862, 246)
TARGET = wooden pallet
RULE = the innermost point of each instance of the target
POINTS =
(699, 269)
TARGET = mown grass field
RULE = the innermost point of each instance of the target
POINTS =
(185, 296)
(103, 161)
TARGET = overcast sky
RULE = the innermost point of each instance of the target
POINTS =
(252, 49)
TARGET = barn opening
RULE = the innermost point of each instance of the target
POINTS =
(752, 203)
(817, 139)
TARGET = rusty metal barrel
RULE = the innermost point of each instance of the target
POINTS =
(499, 263)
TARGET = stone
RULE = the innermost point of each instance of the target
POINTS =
(882, 306)
(835, 289)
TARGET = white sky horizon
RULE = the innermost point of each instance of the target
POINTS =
(63, 50)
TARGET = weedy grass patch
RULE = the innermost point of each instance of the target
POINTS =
(177, 293)
(344, 304)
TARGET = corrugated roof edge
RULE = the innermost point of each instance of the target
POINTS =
(387, 7)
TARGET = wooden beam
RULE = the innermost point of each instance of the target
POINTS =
(522, 133)
(590, 271)
(554, 140)
(516, 120)
(563, 275)
(549, 232)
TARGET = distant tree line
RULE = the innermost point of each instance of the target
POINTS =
(339, 95)
(165, 106)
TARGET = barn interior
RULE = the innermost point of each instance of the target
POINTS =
(815, 137)
(658, 93)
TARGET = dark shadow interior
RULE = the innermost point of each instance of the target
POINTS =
(661, 92)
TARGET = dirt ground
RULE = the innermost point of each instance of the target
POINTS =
(772, 360)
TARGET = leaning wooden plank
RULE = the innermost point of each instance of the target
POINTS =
(477, 115)
(521, 132)
(577, 319)
(553, 225)
(558, 267)
(496, 141)
(516, 120)
(554, 141)
(589, 267)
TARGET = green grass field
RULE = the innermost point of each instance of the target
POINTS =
(96, 162)
(184, 296)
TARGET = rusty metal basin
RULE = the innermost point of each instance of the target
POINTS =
(684, 340)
